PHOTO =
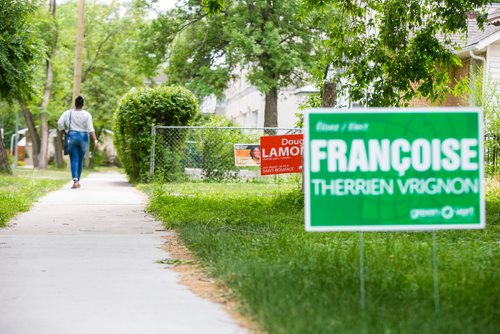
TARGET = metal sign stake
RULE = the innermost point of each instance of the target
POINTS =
(362, 294)
(435, 273)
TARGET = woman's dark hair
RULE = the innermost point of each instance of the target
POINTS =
(252, 151)
(79, 102)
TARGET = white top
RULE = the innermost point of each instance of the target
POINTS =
(81, 121)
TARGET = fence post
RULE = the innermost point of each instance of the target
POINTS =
(152, 154)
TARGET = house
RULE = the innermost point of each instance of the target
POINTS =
(244, 104)
(479, 52)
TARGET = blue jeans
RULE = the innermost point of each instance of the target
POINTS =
(78, 146)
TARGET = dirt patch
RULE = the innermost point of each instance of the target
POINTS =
(196, 279)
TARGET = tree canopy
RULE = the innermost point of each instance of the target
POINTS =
(20, 47)
(385, 53)
(109, 71)
(35, 37)
(267, 40)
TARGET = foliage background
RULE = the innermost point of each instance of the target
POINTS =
(110, 68)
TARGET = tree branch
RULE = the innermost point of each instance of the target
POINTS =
(99, 49)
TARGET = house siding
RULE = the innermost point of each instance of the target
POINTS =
(493, 61)
(450, 100)
(245, 105)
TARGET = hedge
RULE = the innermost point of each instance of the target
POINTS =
(138, 110)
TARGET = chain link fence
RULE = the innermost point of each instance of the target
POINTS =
(204, 153)
(207, 153)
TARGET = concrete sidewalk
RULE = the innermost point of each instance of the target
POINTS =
(83, 261)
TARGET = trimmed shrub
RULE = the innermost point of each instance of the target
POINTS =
(138, 110)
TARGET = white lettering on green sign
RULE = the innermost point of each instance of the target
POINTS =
(397, 155)
(393, 169)
(411, 186)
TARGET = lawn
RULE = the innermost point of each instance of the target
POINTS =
(251, 236)
(20, 190)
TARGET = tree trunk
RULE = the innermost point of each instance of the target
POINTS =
(44, 119)
(328, 99)
(271, 109)
(43, 159)
(4, 162)
(58, 147)
(35, 138)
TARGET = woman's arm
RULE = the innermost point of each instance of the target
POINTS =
(94, 138)
(92, 131)
(62, 121)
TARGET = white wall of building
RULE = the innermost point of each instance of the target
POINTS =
(493, 61)
(208, 104)
(245, 105)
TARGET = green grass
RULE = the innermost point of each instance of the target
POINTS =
(20, 190)
(251, 236)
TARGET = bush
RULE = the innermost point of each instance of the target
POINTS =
(138, 110)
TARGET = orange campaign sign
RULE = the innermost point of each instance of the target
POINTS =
(281, 154)
(246, 155)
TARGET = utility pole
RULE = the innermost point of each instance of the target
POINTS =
(44, 115)
(78, 50)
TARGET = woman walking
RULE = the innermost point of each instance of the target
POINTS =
(79, 125)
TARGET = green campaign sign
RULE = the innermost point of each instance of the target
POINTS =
(393, 169)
